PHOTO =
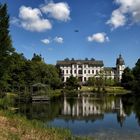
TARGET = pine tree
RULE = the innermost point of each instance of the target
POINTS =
(6, 48)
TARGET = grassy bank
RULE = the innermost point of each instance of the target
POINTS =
(108, 89)
(116, 90)
(15, 127)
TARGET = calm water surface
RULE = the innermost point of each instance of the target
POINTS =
(104, 117)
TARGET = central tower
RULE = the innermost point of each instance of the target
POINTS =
(120, 66)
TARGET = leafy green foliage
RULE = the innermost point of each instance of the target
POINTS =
(26, 73)
(127, 78)
(17, 71)
(131, 78)
(136, 72)
(110, 82)
(37, 58)
(91, 81)
(72, 83)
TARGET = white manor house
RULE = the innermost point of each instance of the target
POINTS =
(83, 69)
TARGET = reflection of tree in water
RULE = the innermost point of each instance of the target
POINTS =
(128, 103)
(137, 108)
(41, 111)
(120, 119)
(131, 103)
(84, 108)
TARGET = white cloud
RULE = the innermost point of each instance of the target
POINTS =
(98, 37)
(117, 19)
(27, 13)
(46, 41)
(58, 39)
(32, 20)
(128, 11)
(59, 11)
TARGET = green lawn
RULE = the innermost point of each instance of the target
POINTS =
(108, 89)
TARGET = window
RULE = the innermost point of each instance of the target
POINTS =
(92, 71)
(89, 71)
(80, 72)
(96, 71)
(62, 71)
(75, 71)
(66, 78)
(84, 71)
(80, 66)
(63, 79)
(85, 79)
(67, 71)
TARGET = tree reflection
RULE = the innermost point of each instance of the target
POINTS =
(131, 104)
(85, 108)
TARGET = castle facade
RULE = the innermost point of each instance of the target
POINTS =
(83, 69)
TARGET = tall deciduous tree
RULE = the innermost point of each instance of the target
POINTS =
(72, 83)
(127, 78)
(136, 72)
(91, 81)
(6, 48)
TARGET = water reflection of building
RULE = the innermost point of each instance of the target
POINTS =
(86, 107)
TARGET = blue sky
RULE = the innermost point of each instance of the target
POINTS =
(105, 28)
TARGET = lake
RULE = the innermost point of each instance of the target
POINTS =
(100, 116)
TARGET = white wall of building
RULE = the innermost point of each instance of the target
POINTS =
(83, 71)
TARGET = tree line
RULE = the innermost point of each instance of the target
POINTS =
(17, 71)
(131, 78)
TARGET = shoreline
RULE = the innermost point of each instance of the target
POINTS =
(19, 127)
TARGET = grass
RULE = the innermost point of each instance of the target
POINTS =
(108, 89)
(116, 90)
(86, 88)
(15, 127)
(21, 128)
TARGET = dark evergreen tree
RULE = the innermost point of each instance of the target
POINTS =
(6, 48)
